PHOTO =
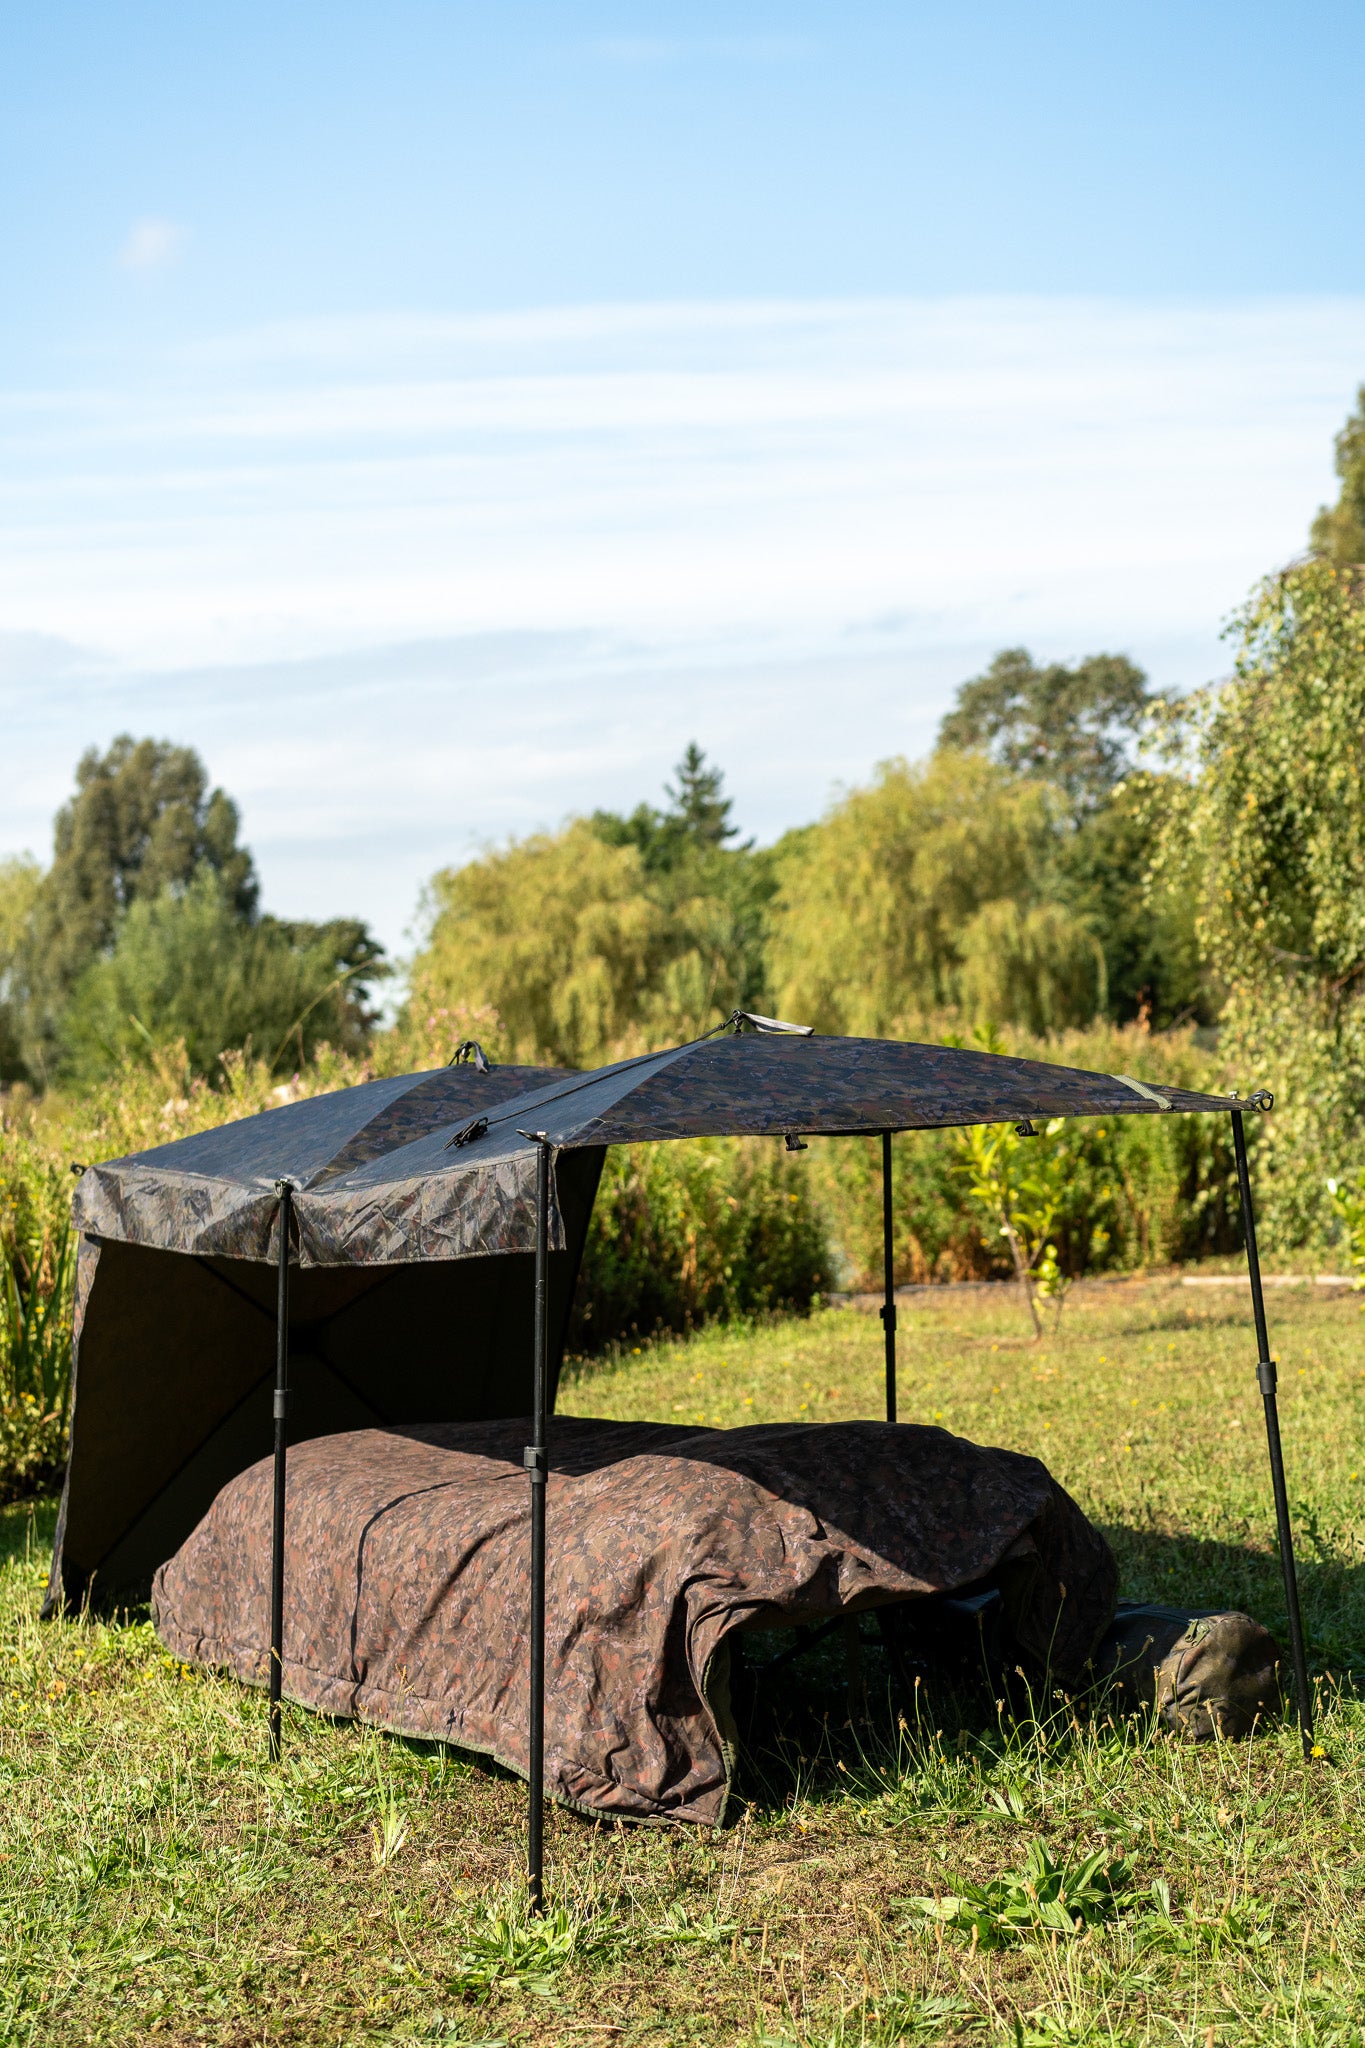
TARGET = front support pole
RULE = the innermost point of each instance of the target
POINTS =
(285, 1191)
(888, 1308)
(536, 1461)
(1266, 1375)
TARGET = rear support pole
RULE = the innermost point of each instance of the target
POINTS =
(1266, 1375)
(285, 1191)
(536, 1461)
(888, 1308)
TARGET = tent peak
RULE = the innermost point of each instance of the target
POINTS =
(737, 1020)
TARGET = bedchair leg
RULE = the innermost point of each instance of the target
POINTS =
(1266, 1375)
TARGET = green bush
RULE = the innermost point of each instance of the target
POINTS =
(37, 1273)
(686, 1232)
(1141, 1190)
(682, 1233)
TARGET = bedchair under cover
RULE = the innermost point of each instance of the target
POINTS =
(407, 1579)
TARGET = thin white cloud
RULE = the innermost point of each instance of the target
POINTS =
(1068, 471)
(785, 530)
(656, 52)
(152, 244)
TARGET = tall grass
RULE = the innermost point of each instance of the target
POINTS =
(160, 1879)
(37, 1272)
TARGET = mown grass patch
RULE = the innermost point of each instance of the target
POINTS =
(159, 1881)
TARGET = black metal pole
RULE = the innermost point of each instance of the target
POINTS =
(888, 1308)
(536, 1459)
(285, 1191)
(1266, 1375)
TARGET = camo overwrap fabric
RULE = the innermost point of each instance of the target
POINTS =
(437, 1166)
(213, 1195)
(768, 1085)
(407, 1579)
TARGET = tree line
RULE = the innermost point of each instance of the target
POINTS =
(146, 928)
(1077, 848)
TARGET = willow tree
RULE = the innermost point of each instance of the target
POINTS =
(1339, 530)
(931, 890)
(581, 951)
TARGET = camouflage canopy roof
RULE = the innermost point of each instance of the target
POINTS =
(439, 1166)
(215, 1194)
(772, 1082)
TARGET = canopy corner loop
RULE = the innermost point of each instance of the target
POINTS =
(470, 1049)
(767, 1026)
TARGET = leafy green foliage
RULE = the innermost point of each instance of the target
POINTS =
(1348, 1203)
(687, 1233)
(511, 1950)
(1072, 727)
(37, 1272)
(143, 821)
(557, 935)
(35, 1328)
(1271, 834)
(1141, 914)
(1278, 815)
(186, 968)
(612, 936)
(928, 890)
(1047, 1896)
(695, 823)
(1019, 1186)
(1136, 1191)
(145, 932)
(20, 880)
(1338, 533)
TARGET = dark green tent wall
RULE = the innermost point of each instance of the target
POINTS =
(175, 1349)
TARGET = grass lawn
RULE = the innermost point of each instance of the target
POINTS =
(159, 1881)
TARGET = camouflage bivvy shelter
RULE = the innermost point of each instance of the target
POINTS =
(408, 1249)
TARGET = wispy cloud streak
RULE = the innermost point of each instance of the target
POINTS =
(613, 528)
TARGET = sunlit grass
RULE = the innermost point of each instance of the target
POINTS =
(160, 1881)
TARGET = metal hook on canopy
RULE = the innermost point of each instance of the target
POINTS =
(285, 1190)
(469, 1049)
(1266, 1376)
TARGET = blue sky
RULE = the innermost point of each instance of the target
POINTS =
(440, 414)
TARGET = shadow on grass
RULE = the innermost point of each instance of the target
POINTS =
(1199, 1572)
(816, 1725)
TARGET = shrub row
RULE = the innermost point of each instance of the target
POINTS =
(682, 1233)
